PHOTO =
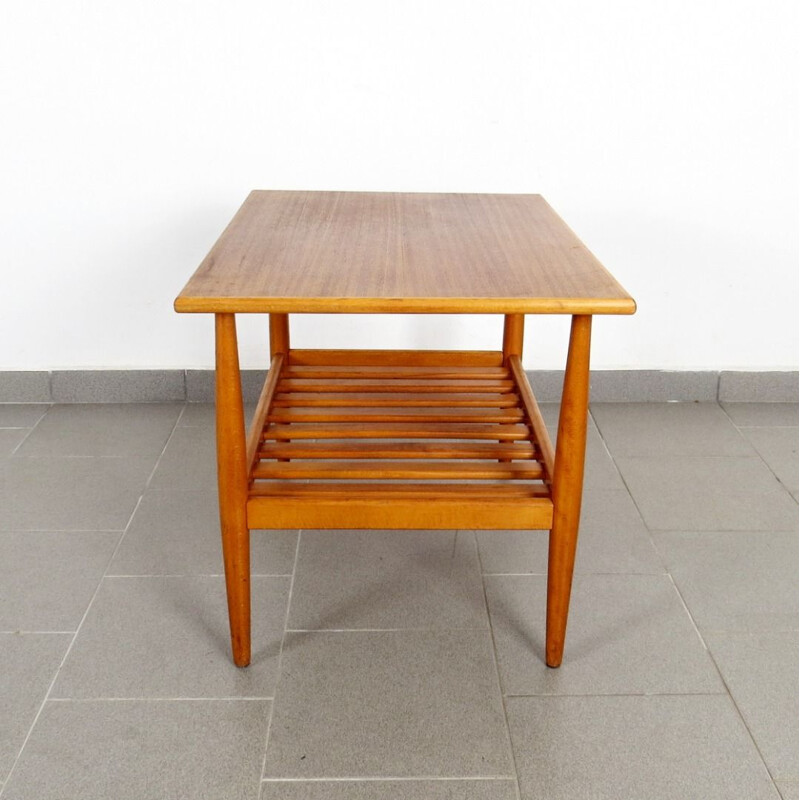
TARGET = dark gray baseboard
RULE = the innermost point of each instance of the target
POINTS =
(193, 385)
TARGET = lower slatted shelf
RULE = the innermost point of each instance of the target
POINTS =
(406, 445)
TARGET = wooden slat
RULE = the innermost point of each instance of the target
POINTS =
(397, 430)
(420, 449)
(399, 358)
(534, 415)
(397, 470)
(396, 400)
(417, 373)
(433, 491)
(412, 513)
(263, 407)
(407, 415)
(369, 386)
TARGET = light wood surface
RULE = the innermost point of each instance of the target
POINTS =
(416, 511)
(400, 253)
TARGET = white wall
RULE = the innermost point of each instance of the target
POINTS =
(663, 132)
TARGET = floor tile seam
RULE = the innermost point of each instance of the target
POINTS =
(25, 437)
(498, 678)
(577, 574)
(194, 575)
(721, 677)
(743, 720)
(688, 611)
(762, 631)
(164, 448)
(69, 647)
(736, 425)
(691, 457)
(280, 655)
(156, 699)
(557, 695)
(387, 778)
(133, 514)
(757, 452)
(25, 632)
(729, 531)
(642, 519)
(65, 531)
(429, 629)
(78, 457)
(767, 427)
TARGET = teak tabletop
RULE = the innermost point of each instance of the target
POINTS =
(400, 253)
(418, 439)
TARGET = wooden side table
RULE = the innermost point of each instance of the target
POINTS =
(399, 438)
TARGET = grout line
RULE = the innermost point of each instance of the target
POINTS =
(756, 450)
(761, 427)
(646, 527)
(31, 429)
(280, 653)
(164, 449)
(68, 651)
(148, 699)
(89, 606)
(493, 643)
(194, 575)
(728, 692)
(22, 441)
(387, 630)
(616, 694)
(24, 632)
(380, 778)
(576, 573)
(680, 596)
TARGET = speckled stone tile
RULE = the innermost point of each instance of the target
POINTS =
(143, 750)
(658, 747)
(627, 634)
(388, 704)
(168, 637)
(387, 579)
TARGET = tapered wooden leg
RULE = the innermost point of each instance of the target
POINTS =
(513, 330)
(232, 480)
(279, 343)
(278, 334)
(567, 486)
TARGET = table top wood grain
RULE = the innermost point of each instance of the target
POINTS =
(376, 252)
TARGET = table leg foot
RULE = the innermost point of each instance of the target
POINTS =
(236, 553)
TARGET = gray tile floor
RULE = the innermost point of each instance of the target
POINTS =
(398, 664)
